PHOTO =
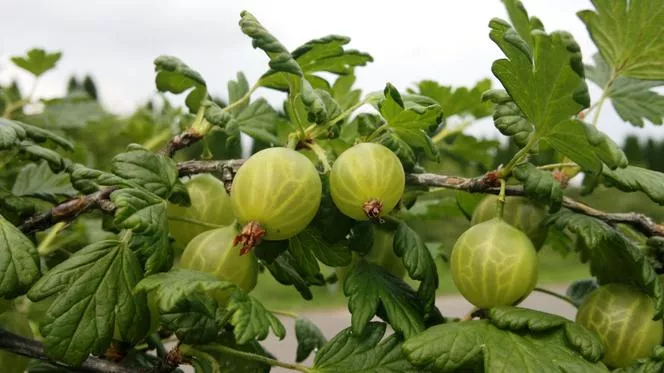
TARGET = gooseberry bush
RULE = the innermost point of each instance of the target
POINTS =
(134, 244)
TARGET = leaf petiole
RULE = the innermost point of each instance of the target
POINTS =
(191, 351)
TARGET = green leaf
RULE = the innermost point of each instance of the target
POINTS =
(586, 146)
(41, 135)
(177, 285)
(361, 237)
(251, 320)
(547, 83)
(523, 24)
(412, 250)
(518, 319)
(37, 61)
(370, 287)
(354, 353)
(469, 149)
(19, 261)
(633, 99)
(632, 178)
(628, 34)
(258, 120)
(457, 101)
(578, 290)
(326, 54)
(69, 113)
(35, 152)
(558, 241)
(175, 76)
(309, 338)
(285, 270)
(508, 118)
(418, 139)
(82, 318)
(211, 358)
(280, 59)
(407, 116)
(39, 181)
(333, 255)
(333, 225)
(462, 346)
(145, 214)
(540, 185)
(613, 258)
(154, 172)
(401, 148)
(194, 319)
(653, 364)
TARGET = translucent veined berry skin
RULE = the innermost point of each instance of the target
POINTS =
(13, 321)
(364, 173)
(278, 188)
(210, 203)
(494, 264)
(381, 253)
(622, 317)
(524, 214)
(213, 252)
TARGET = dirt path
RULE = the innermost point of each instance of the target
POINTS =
(332, 321)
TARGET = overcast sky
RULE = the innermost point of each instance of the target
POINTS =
(116, 41)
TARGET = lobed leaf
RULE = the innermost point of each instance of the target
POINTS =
(175, 76)
(613, 258)
(471, 345)
(354, 353)
(371, 289)
(178, 284)
(632, 178)
(508, 118)
(546, 82)
(195, 318)
(540, 185)
(19, 261)
(457, 101)
(633, 99)
(309, 338)
(629, 36)
(82, 318)
(154, 172)
(578, 290)
(37, 180)
(251, 320)
(412, 250)
(37, 61)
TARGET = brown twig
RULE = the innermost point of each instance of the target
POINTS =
(33, 349)
(181, 141)
(69, 210)
(226, 170)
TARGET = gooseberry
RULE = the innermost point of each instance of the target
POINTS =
(521, 212)
(381, 253)
(210, 204)
(494, 264)
(275, 195)
(212, 252)
(622, 316)
(367, 181)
